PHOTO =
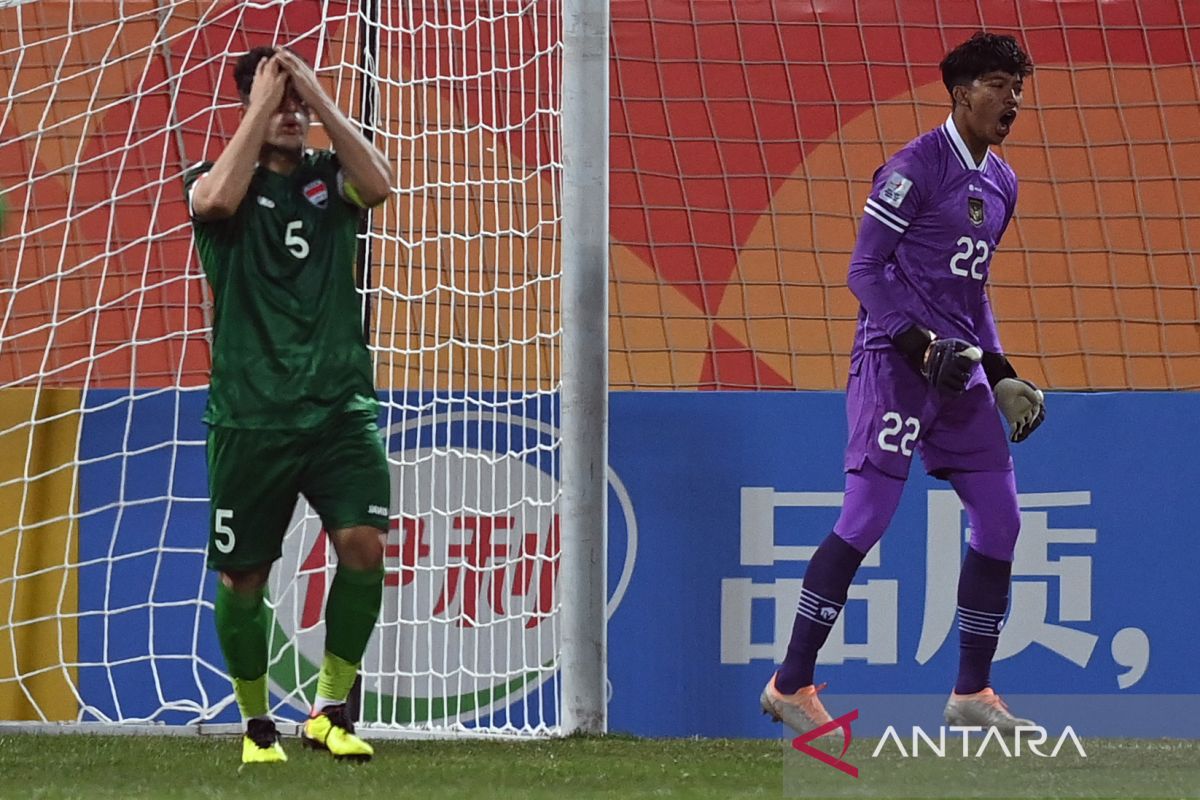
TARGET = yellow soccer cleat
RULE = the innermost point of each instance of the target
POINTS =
(332, 730)
(260, 744)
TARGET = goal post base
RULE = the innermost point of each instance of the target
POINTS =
(288, 729)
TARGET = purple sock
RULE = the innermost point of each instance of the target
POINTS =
(982, 601)
(826, 583)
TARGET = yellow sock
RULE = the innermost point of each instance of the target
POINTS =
(251, 696)
(336, 678)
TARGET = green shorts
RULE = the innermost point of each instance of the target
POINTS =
(256, 476)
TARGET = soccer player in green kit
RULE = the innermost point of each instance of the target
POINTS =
(292, 406)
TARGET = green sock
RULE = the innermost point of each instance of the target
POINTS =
(350, 616)
(242, 630)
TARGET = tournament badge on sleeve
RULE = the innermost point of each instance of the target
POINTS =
(895, 189)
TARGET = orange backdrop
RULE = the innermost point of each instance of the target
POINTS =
(743, 136)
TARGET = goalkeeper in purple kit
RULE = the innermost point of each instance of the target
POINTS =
(291, 407)
(928, 375)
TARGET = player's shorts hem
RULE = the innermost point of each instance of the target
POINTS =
(943, 472)
(940, 462)
(371, 522)
(861, 460)
(225, 566)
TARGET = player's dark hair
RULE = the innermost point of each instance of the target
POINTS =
(981, 54)
(244, 69)
(247, 64)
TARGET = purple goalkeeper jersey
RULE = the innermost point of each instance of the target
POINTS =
(933, 221)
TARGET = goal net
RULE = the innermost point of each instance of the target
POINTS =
(105, 605)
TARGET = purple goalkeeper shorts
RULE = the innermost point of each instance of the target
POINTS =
(892, 412)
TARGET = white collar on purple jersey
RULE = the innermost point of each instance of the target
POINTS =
(960, 147)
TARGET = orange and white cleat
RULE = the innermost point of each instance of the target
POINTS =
(985, 709)
(801, 711)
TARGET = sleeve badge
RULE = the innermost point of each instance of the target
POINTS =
(895, 190)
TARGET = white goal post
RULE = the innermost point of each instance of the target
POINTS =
(484, 283)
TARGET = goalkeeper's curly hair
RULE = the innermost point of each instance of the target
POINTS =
(981, 54)
(247, 63)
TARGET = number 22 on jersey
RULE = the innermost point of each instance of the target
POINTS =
(976, 247)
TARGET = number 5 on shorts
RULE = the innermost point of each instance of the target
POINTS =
(220, 529)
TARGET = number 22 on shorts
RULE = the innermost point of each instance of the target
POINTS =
(221, 529)
(893, 425)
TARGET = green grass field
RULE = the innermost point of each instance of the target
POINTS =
(95, 767)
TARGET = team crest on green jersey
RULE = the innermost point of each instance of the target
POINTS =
(317, 193)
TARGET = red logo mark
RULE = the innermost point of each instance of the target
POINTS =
(478, 570)
(801, 743)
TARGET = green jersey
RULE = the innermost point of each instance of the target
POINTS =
(288, 349)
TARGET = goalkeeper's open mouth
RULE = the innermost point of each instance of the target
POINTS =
(1006, 122)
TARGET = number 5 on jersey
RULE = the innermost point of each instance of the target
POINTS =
(296, 244)
(222, 530)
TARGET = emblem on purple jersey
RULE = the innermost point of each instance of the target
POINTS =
(895, 189)
(975, 210)
(317, 193)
